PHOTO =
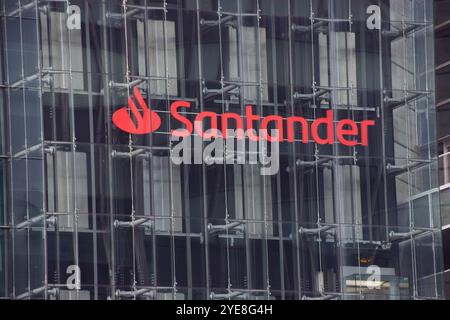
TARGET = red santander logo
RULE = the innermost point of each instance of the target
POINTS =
(325, 130)
(146, 120)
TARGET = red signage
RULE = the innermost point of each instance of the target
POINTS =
(321, 131)
(146, 122)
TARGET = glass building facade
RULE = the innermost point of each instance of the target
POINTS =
(82, 200)
(442, 63)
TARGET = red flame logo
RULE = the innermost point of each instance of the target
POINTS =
(147, 120)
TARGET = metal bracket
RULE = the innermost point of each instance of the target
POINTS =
(397, 102)
(322, 297)
(315, 27)
(395, 34)
(324, 162)
(227, 296)
(132, 224)
(50, 292)
(316, 231)
(228, 20)
(310, 96)
(20, 9)
(146, 292)
(120, 85)
(399, 169)
(404, 235)
(212, 229)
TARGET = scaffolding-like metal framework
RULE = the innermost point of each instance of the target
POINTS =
(79, 194)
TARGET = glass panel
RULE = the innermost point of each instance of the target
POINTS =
(346, 216)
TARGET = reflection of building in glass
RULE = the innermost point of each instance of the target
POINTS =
(442, 62)
(336, 222)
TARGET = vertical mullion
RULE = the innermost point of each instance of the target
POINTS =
(316, 169)
(186, 217)
(430, 198)
(264, 179)
(106, 88)
(130, 146)
(204, 180)
(91, 147)
(22, 87)
(278, 178)
(227, 221)
(44, 207)
(8, 218)
(296, 244)
(148, 73)
(172, 218)
(73, 163)
(337, 174)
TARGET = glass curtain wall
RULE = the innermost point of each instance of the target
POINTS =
(81, 198)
